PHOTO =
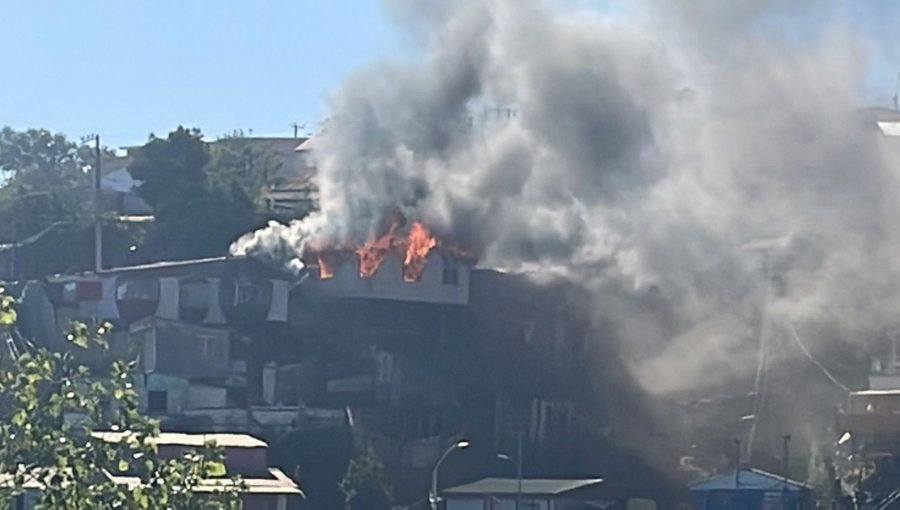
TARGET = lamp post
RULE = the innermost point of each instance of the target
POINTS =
(433, 495)
(504, 456)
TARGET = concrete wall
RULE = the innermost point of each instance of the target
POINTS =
(884, 382)
(176, 389)
(201, 396)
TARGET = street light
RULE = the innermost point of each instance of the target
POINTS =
(503, 456)
(433, 495)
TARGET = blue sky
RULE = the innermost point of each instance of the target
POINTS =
(129, 68)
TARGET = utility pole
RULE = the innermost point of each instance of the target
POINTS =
(737, 458)
(519, 470)
(98, 228)
(786, 449)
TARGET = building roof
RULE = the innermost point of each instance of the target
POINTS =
(212, 266)
(531, 486)
(276, 483)
(190, 440)
(749, 479)
(167, 264)
(874, 393)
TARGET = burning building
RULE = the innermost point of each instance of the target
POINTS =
(402, 264)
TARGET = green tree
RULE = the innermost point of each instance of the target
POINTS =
(236, 163)
(171, 168)
(45, 194)
(71, 467)
(365, 486)
(203, 198)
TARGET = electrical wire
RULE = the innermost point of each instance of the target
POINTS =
(816, 362)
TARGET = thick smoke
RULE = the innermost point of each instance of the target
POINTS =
(690, 161)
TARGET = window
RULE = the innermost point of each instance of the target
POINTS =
(157, 402)
(451, 276)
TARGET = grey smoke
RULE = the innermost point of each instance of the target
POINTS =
(647, 153)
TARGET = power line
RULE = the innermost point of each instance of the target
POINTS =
(816, 362)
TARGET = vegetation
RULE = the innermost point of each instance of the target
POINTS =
(203, 197)
(49, 406)
(364, 485)
(46, 195)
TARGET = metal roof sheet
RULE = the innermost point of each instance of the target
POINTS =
(532, 486)
(749, 479)
(190, 440)
(278, 483)
(873, 393)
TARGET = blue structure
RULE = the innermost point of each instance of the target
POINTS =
(751, 489)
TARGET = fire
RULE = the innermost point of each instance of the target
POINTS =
(418, 244)
(411, 245)
(326, 268)
(372, 253)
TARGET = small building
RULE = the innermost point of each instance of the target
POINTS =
(751, 489)
(263, 487)
(543, 494)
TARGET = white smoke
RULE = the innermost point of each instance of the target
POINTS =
(644, 153)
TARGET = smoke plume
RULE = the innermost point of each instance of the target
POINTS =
(691, 162)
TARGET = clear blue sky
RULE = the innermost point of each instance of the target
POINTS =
(128, 68)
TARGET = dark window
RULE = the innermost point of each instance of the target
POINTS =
(156, 402)
(451, 276)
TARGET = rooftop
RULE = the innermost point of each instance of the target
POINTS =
(874, 393)
(533, 486)
(749, 479)
(190, 440)
(277, 483)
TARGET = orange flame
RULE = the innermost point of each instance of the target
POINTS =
(419, 243)
(413, 249)
(373, 252)
(326, 268)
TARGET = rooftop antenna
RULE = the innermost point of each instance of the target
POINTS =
(896, 91)
(297, 128)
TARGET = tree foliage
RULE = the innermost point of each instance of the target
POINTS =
(43, 448)
(365, 486)
(203, 197)
(46, 182)
(45, 194)
(171, 168)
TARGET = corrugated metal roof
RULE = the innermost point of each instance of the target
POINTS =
(749, 479)
(531, 486)
(190, 440)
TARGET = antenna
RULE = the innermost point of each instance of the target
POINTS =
(896, 91)
(297, 128)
